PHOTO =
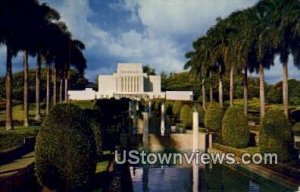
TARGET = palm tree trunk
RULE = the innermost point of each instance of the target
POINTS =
(37, 88)
(262, 91)
(54, 85)
(203, 89)
(285, 96)
(220, 88)
(231, 85)
(210, 88)
(25, 93)
(61, 90)
(66, 90)
(8, 85)
(48, 90)
(245, 84)
(203, 96)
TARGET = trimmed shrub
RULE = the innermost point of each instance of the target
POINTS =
(296, 128)
(177, 108)
(235, 131)
(275, 135)
(10, 139)
(186, 116)
(201, 112)
(65, 150)
(213, 117)
(95, 126)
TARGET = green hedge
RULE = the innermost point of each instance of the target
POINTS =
(65, 150)
(10, 139)
(186, 116)
(213, 117)
(296, 127)
(97, 135)
(276, 136)
(235, 131)
(177, 108)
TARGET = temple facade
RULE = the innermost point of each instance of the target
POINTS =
(129, 81)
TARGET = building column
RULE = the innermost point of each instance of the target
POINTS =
(135, 85)
(131, 88)
(127, 84)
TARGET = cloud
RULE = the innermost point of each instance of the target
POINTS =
(157, 32)
(179, 17)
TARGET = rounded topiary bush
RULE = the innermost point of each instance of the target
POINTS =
(65, 150)
(275, 135)
(235, 131)
(296, 128)
(186, 116)
(213, 117)
(177, 108)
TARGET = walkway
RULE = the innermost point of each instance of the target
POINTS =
(17, 165)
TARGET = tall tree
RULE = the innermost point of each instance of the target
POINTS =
(285, 16)
(47, 41)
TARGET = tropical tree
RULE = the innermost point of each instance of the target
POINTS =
(263, 47)
(46, 33)
(11, 30)
(199, 64)
(285, 16)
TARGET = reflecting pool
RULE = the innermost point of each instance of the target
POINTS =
(216, 178)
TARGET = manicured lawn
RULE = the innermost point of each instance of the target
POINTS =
(84, 104)
(253, 104)
(101, 166)
(18, 112)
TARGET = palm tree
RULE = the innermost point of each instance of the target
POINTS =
(219, 39)
(285, 15)
(10, 30)
(46, 43)
(263, 47)
(199, 63)
(30, 20)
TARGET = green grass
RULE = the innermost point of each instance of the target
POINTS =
(18, 112)
(101, 166)
(253, 105)
(84, 104)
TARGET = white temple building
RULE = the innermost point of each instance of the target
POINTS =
(129, 81)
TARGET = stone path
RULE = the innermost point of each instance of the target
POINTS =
(18, 164)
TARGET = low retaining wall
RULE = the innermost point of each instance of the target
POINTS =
(174, 141)
(180, 142)
(15, 152)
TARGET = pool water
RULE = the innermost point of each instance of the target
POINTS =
(217, 178)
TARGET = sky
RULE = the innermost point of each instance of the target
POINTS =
(153, 32)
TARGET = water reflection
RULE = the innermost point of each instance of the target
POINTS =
(195, 177)
(219, 178)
